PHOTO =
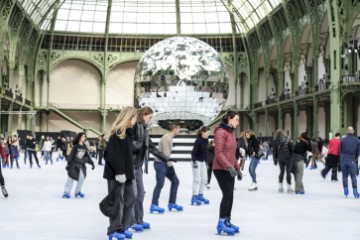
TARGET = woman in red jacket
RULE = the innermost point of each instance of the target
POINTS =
(225, 168)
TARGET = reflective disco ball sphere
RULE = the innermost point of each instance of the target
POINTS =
(183, 80)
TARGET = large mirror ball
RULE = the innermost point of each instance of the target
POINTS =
(183, 80)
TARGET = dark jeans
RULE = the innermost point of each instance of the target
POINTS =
(226, 184)
(138, 213)
(348, 167)
(25, 155)
(12, 159)
(285, 165)
(209, 171)
(162, 172)
(31, 153)
(122, 221)
(2, 181)
(101, 154)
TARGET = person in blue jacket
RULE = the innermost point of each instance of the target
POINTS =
(349, 153)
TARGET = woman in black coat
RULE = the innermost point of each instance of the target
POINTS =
(119, 171)
(76, 168)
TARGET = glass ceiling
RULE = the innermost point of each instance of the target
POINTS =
(149, 16)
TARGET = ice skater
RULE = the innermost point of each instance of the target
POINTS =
(142, 145)
(166, 169)
(76, 168)
(253, 152)
(13, 151)
(2, 181)
(199, 171)
(332, 159)
(349, 153)
(302, 145)
(31, 146)
(119, 169)
(226, 168)
(210, 161)
(282, 153)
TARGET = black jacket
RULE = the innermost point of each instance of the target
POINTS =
(77, 159)
(142, 145)
(241, 143)
(30, 144)
(253, 146)
(283, 149)
(118, 156)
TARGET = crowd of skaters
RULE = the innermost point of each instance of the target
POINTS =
(31, 150)
(126, 155)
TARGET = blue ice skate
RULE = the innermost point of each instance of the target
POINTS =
(346, 191)
(172, 206)
(204, 200)
(154, 208)
(355, 192)
(127, 234)
(116, 235)
(195, 200)
(137, 227)
(222, 229)
(230, 225)
(66, 195)
(146, 225)
(80, 195)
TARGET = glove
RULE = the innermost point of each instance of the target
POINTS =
(275, 162)
(93, 167)
(67, 168)
(194, 164)
(239, 175)
(232, 171)
(121, 178)
(172, 160)
(171, 171)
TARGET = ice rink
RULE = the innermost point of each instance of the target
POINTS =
(35, 209)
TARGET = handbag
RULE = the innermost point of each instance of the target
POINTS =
(110, 205)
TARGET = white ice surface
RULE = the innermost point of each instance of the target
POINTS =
(35, 209)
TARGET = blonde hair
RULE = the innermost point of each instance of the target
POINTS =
(280, 133)
(250, 132)
(123, 121)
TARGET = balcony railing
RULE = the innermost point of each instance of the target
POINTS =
(270, 101)
(351, 78)
(258, 104)
(27, 102)
(285, 96)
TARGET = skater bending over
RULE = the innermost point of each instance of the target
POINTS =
(226, 168)
(76, 168)
(119, 172)
(332, 159)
